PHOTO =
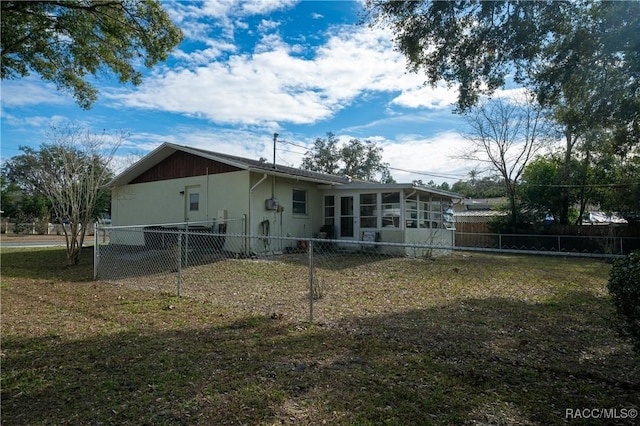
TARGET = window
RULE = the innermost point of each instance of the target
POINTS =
(368, 210)
(424, 216)
(329, 210)
(412, 211)
(436, 212)
(391, 209)
(299, 201)
(346, 217)
(194, 202)
(425, 211)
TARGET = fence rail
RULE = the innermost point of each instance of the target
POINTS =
(598, 246)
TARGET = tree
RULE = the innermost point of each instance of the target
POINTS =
(615, 175)
(539, 189)
(486, 187)
(579, 58)
(71, 171)
(545, 45)
(624, 289)
(23, 207)
(65, 41)
(506, 134)
(444, 185)
(356, 159)
(324, 157)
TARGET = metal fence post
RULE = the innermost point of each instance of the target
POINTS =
(311, 278)
(96, 254)
(500, 241)
(246, 233)
(186, 245)
(559, 244)
(179, 289)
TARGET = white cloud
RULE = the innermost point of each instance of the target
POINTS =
(263, 7)
(433, 156)
(243, 143)
(267, 25)
(214, 50)
(31, 91)
(438, 97)
(274, 84)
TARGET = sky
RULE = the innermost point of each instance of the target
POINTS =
(249, 69)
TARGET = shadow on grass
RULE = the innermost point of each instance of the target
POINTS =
(48, 263)
(495, 361)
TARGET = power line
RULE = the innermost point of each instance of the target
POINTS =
(416, 172)
(432, 174)
(585, 185)
(296, 145)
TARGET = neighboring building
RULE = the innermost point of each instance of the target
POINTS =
(602, 218)
(236, 195)
(474, 214)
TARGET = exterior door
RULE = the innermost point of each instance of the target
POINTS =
(195, 207)
(347, 217)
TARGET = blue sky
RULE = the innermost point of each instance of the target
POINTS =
(247, 69)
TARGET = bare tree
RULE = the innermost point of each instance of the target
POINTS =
(505, 134)
(71, 170)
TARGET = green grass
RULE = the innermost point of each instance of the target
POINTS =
(459, 340)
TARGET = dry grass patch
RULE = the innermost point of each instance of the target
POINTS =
(457, 340)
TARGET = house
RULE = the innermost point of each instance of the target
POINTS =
(234, 195)
(472, 215)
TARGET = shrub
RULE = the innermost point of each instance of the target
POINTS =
(624, 288)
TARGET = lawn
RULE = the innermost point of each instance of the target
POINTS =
(464, 339)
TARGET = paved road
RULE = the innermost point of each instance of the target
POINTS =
(36, 241)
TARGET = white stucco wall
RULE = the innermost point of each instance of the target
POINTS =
(283, 222)
(162, 202)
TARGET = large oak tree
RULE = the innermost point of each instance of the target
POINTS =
(360, 160)
(69, 42)
(580, 58)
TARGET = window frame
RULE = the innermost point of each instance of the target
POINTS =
(368, 206)
(331, 219)
(296, 203)
(195, 203)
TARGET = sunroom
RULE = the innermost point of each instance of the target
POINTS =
(389, 213)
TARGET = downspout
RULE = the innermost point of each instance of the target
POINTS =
(248, 231)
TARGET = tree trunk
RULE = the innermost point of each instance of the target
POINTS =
(566, 179)
(585, 194)
(73, 251)
(513, 206)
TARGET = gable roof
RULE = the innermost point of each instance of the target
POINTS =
(165, 150)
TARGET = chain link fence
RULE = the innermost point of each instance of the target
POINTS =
(593, 246)
(196, 261)
(277, 276)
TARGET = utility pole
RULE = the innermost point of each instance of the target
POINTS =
(275, 137)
